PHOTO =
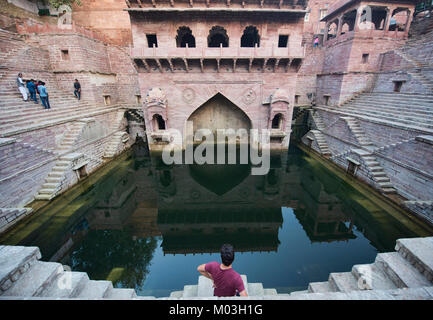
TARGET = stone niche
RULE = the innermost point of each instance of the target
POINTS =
(279, 120)
(155, 113)
(155, 109)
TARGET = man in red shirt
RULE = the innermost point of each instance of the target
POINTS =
(226, 281)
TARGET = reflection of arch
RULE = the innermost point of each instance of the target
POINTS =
(271, 177)
(165, 178)
(158, 122)
(219, 113)
(184, 37)
(277, 121)
(250, 37)
(219, 178)
(217, 37)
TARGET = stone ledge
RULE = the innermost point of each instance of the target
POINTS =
(387, 123)
(425, 139)
(6, 141)
(57, 122)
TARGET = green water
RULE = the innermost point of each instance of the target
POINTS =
(147, 226)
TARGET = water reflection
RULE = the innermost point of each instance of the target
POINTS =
(126, 223)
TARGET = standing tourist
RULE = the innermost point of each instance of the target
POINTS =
(32, 90)
(77, 89)
(21, 87)
(43, 94)
(316, 42)
(226, 281)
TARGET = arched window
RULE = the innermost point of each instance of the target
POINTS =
(277, 121)
(158, 122)
(271, 177)
(250, 37)
(332, 29)
(217, 37)
(184, 37)
(165, 178)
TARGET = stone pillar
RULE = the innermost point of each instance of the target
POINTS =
(340, 25)
(325, 38)
(408, 22)
(357, 18)
(387, 19)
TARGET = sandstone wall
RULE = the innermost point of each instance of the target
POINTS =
(106, 17)
(101, 69)
(166, 31)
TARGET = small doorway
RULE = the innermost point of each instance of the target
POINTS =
(81, 172)
(277, 121)
(397, 86)
(159, 122)
(352, 166)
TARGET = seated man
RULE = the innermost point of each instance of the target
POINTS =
(226, 281)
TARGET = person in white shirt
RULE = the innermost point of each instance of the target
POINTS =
(21, 86)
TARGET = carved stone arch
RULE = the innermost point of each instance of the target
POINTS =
(219, 112)
(250, 37)
(185, 37)
(158, 122)
(278, 110)
(277, 121)
(155, 109)
(217, 37)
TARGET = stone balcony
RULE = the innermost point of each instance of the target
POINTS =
(368, 33)
(256, 59)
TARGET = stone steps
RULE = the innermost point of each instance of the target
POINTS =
(14, 262)
(390, 271)
(54, 179)
(34, 280)
(8, 216)
(401, 94)
(400, 271)
(359, 134)
(70, 137)
(71, 286)
(417, 253)
(43, 116)
(376, 171)
(393, 101)
(391, 276)
(315, 287)
(409, 119)
(30, 114)
(343, 282)
(391, 121)
(413, 111)
(19, 127)
(321, 142)
(96, 289)
(21, 156)
(372, 277)
(112, 147)
(204, 289)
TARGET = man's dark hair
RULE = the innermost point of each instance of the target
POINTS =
(227, 254)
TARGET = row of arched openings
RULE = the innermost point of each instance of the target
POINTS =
(217, 37)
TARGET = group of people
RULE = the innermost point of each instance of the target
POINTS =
(34, 88)
(37, 87)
